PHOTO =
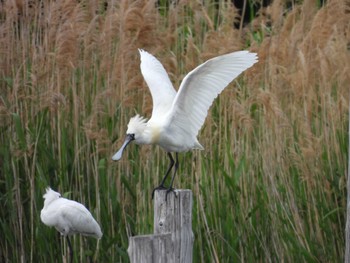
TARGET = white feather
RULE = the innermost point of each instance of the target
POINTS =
(162, 91)
(67, 216)
(201, 86)
(177, 117)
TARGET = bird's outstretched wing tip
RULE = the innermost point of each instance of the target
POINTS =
(254, 57)
(251, 56)
(254, 54)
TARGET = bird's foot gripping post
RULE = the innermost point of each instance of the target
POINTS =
(158, 188)
(170, 190)
(163, 188)
(172, 240)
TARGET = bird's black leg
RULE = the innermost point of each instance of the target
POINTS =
(171, 189)
(168, 171)
(161, 186)
(70, 250)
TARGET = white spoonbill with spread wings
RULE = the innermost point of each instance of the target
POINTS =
(68, 217)
(178, 116)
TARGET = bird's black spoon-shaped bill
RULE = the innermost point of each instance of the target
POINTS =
(118, 155)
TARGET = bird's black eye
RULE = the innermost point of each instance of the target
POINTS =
(132, 136)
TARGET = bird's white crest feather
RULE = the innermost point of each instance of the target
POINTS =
(136, 125)
(50, 195)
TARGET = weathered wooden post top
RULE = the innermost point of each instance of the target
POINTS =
(172, 240)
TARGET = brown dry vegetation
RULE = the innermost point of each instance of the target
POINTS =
(270, 185)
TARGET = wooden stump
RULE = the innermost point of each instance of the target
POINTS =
(172, 240)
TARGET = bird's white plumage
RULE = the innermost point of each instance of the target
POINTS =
(157, 79)
(67, 216)
(201, 86)
(177, 117)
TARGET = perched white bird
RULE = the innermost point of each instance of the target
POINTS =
(68, 217)
(178, 116)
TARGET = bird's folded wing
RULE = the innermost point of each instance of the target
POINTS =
(80, 218)
(202, 85)
(162, 91)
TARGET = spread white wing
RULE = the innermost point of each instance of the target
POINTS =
(201, 86)
(162, 90)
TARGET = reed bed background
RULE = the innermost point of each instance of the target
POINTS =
(270, 185)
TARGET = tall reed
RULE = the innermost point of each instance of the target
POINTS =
(270, 184)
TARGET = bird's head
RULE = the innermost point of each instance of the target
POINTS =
(135, 131)
(136, 126)
(50, 195)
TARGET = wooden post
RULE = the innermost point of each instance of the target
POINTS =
(172, 240)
